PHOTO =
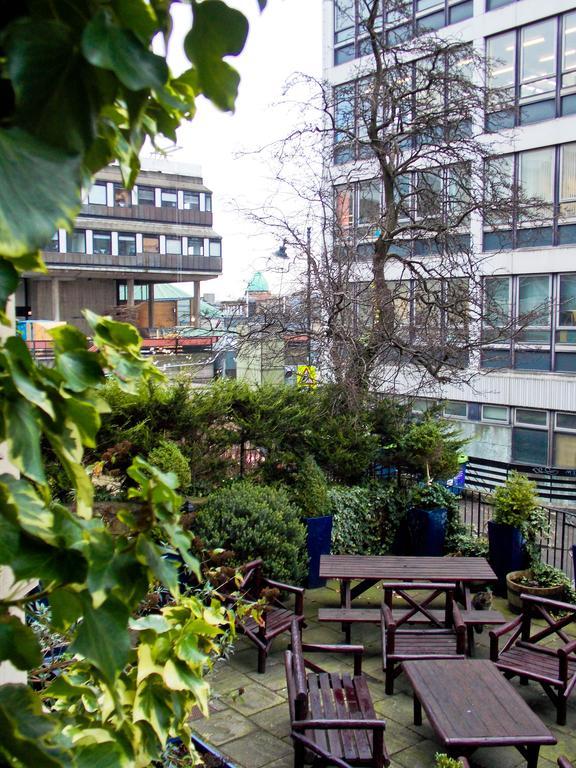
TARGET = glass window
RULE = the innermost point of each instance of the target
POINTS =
(535, 418)
(151, 244)
(344, 20)
(168, 198)
(122, 196)
(501, 53)
(455, 408)
(534, 307)
(530, 446)
(564, 451)
(208, 201)
(566, 421)
(429, 194)
(53, 244)
(146, 195)
(76, 241)
(215, 248)
(369, 202)
(174, 245)
(568, 180)
(97, 194)
(497, 413)
(195, 246)
(344, 112)
(569, 51)
(538, 59)
(101, 242)
(344, 208)
(567, 301)
(126, 244)
(536, 173)
(497, 301)
(140, 292)
(192, 201)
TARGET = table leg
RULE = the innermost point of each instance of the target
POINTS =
(532, 752)
(345, 597)
(417, 711)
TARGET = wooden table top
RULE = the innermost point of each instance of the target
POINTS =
(399, 568)
(470, 703)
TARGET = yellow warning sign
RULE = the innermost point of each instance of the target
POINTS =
(306, 376)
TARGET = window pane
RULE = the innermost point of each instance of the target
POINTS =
(77, 241)
(369, 202)
(344, 20)
(534, 300)
(495, 413)
(126, 245)
(569, 42)
(566, 421)
(567, 300)
(122, 196)
(497, 301)
(535, 173)
(151, 244)
(97, 195)
(208, 201)
(192, 201)
(344, 208)
(568, 180)
(501, 52)
(530, 446)
(173, 245)
(565, 451)
(455, 408)
(215, 248)
(145, 196)
(53, 244)
(195, 246)
(168, 199)
(538, 65)
(537, 418)
(344, 112)
(429, 194)
(101, 242)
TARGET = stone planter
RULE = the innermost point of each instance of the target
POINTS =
(318, 542)
(515, 589)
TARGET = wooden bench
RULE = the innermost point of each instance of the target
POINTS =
(331, 713)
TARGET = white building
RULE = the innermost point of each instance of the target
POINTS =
(521, 407)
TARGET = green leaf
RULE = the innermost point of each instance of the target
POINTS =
(103, 636)
(217, 31)
(66, 608)
(29, 509)
(138, 16)
(106, 45)
(108, 754)
(55, 95)
(18, 643)
(29, 213)
(153, 621)
(150, 705)
(22, 370)
(80, 370)
(166, 571)
(87, 419)
(8, 282)
(23, 438)
(36, 560)
(68, 338)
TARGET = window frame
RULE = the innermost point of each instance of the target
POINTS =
(489, 420)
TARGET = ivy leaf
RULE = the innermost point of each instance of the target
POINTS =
(29, 213)
(23, 438)
(151, 706)
(80, 370)
(87, 419)
(28, 734)
(217, 31)
(66, 607)
(107, 45)
(107, 754)
(68, 338)
(18, 643)
(22, 370)
(138, 16)
(29, 509)
(103, 638)
(166, 571)
(37, 560)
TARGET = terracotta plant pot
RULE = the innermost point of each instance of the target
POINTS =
(515, 589)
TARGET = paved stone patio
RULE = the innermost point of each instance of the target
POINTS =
(249, 721)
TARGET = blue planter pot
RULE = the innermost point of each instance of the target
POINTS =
(318, 542)
(427, 528)
(506, 551)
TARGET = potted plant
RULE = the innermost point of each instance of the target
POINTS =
(430, 507)
(540, 579)
(515, 508)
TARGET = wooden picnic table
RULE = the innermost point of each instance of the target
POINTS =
(470, 704)
(369, 570)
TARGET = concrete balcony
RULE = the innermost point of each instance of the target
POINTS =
(148, 213)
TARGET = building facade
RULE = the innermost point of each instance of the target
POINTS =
(125, 243)
(520, 407)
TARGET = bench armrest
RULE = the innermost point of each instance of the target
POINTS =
(567, 649)
(313, 747)
(387, 617)
(337, 725)
(457, 615)
(357, 650)
(505, 628)
(563, 762)
(297, 591)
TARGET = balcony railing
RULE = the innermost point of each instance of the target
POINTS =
(149, 213)
(139, 262)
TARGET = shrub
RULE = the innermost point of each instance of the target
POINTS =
(168, 457)
(309, 489)
(515, 501)
(431, 449)
(256, 521)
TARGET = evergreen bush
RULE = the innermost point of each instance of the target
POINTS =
(255, 521)
(168, 457)
(309, 489)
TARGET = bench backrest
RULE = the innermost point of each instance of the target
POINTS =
(296, 676)
(419, 597)
(555, 614)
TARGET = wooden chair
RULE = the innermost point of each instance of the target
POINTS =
(563, 762)
(332, 717)
(276, 617)
(525, 655)
(433, 637)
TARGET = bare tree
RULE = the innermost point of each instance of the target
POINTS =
(398, 178)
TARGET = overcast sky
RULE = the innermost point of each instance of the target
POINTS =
(284, 39)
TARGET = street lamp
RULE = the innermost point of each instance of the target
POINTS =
(309, 294)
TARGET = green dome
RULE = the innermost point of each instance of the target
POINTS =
(258, 284)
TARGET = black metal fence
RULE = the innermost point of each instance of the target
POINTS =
(476, 509)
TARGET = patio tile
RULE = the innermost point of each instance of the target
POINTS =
(276, 720)
(223, 727)
(419, 755)
(274, 677)
(252, 699)
(228, 680)
(256, 750)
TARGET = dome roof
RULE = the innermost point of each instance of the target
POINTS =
(258, 284)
